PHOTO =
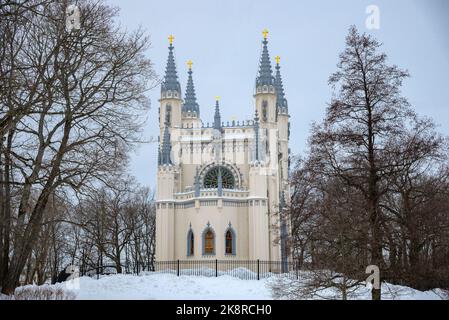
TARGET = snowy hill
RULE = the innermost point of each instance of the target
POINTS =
(170, 287)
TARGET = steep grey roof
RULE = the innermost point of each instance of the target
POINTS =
(171, 76)
(190, 103)
(265, 76)
(281, 101)
(217, 116)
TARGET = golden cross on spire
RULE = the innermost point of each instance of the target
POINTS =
(233, 118)
(278, 59)
(265, 33)
(217, 98)
(189, 64)
(171, 38)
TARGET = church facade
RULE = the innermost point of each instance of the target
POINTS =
(221, 187)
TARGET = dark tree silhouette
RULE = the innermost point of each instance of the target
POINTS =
(370, 135)
(71, 112)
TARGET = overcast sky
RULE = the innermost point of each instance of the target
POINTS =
(223, 38)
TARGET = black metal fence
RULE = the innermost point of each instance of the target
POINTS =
(101, 270)
(243, 269)
(91, 270)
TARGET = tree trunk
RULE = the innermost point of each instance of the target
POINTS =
(2, 197)
(27, 240)
(23, 249)
(6, 211)
(376, 239)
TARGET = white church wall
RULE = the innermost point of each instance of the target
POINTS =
(219, 219)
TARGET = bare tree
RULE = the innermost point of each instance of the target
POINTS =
(15, 20)
(417, 223)
(329, 236)
(118, 227)
(365, 113)
(370, 189)
(92, 82)
(142, 222)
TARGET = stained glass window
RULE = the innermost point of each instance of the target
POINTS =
(191, 244)
(229, 242)
(211, 178)
(209, 242)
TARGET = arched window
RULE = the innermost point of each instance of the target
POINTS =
(208, 241)
(168, 116)
(230, 242)
(264, 110)
(211, 178)
(190, 243)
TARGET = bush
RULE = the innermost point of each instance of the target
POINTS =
(44, 292)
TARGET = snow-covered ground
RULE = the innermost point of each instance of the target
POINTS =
(170, 287)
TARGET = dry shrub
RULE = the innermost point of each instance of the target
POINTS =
(44, 292)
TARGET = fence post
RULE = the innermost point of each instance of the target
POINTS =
(216, 267)
(297, 269)
(258, 269)
(178, 268)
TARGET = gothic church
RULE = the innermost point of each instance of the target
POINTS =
(221, 186)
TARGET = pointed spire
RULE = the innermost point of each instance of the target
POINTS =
(281, 101)
(171, 76)
(165, 152)
(190, 104)
(265, 76)
(217, 117)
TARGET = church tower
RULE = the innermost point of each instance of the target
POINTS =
(169, 119)
(170, 102)
(222, 185)
(283, 157)
(265, 90)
